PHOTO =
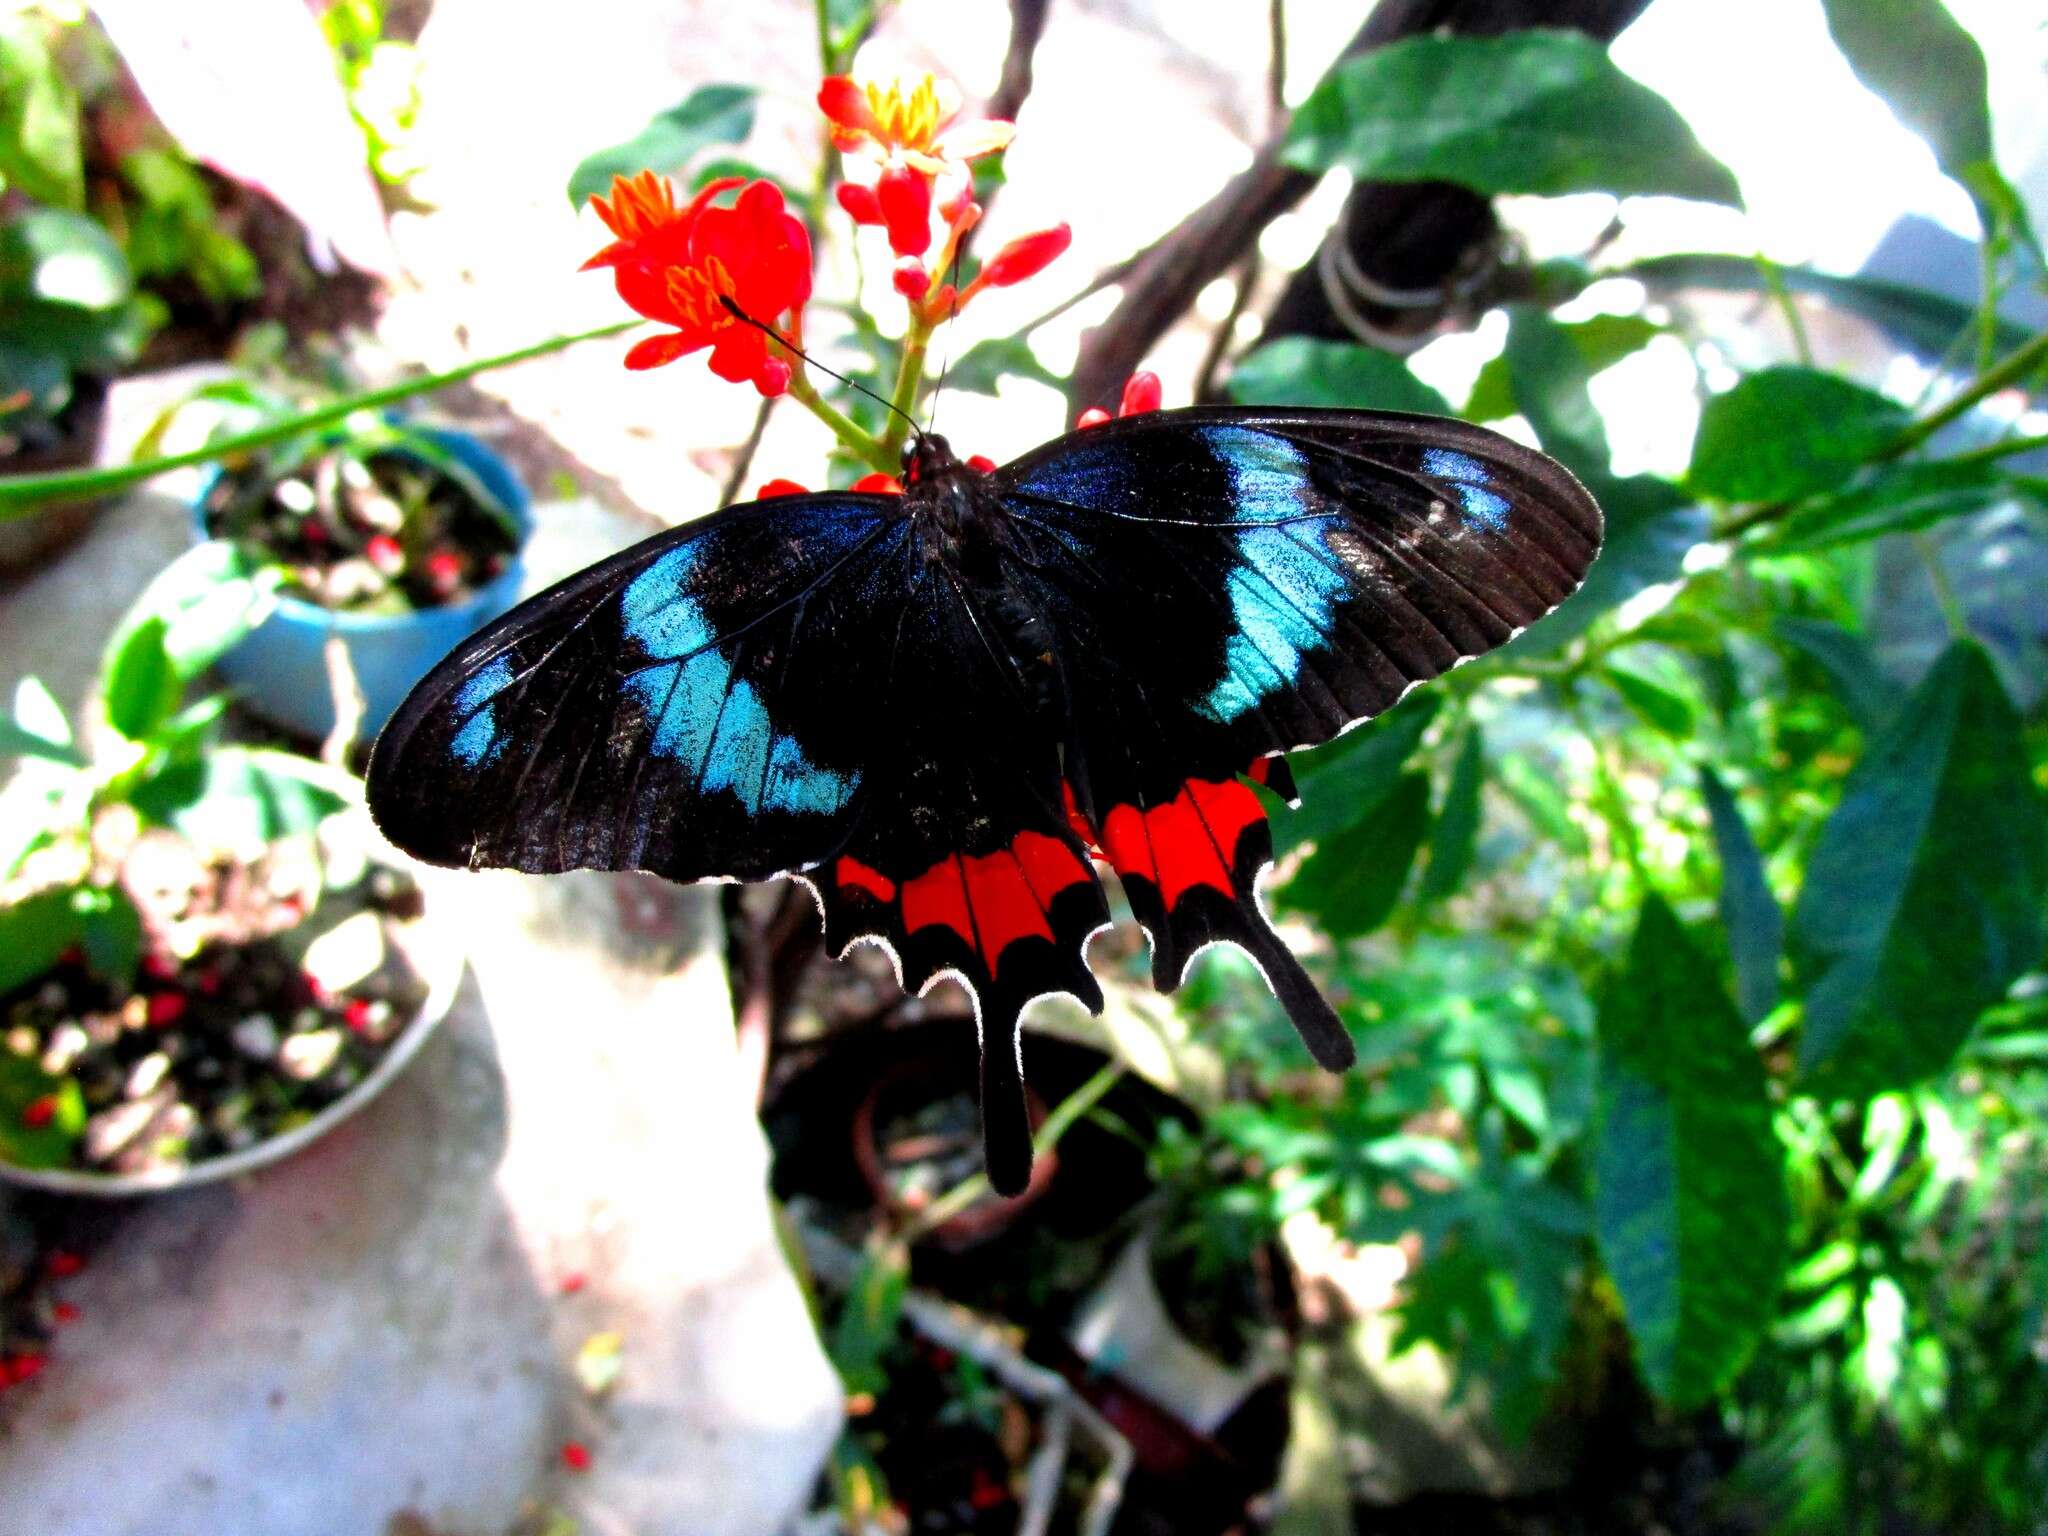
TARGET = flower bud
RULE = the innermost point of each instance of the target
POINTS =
(779, 488)
(859, 202)
(905, 197)
(910, 278)
(886, 485)
(1094, 416)
(1141, 394)
(1026, 256)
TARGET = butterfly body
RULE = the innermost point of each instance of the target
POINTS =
(946, 710)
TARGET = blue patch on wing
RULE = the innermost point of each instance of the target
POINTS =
(1267, 473)
(1482, 506)
(702, 715)
(478, 738)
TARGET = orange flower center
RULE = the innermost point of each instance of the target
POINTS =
(911, 122)
(695, 292)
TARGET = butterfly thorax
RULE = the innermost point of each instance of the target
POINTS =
(957, 514)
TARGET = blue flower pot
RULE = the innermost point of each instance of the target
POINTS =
(279, 669)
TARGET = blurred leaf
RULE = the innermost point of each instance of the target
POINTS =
(22, 1083)
(37, 728)
(1756, 928)
(140, 685)
(1659, 707)
(242, 798)
(33, 933)
(1600, 340)
(1538, 111)
(711, 114)
(719, 167)
(1298, 370)
(1897, 498)
(872, 1313)
(1690, 1183)
(1923, 897)
(63, 258)
(1870, 697)
(1931, 73)
(1352, 881)
(1456, 835)
(1924, 320)
(1789, 432)
(983, 366)
(111, 930)
(1312, 1496)
(1343, 780)
(39, 148)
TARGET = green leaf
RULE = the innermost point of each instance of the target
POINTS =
(37, 728)
(1690, 1183)
(1600, 340)
(709, 115)
(1343, 780)
(1540, 111)
(110, 928)
(1923, 897)
(1456, 835)
(1924, 320)
(1352, 881)
(140, 685)
(39, 141)
(242, 798)
(985, 364)
(1297, 370)
(1661, 708)
(22, 1083)
(1749, 912)
(1870, 697)
(33, 933)
(1930, 72)
(1898, 498)
(1789, 432)
(63, 258)
(871, 1316)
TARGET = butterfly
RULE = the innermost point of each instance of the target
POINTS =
(945, 710)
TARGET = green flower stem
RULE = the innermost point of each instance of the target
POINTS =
(875, 455)
(1057, 1123)
(908, 379)
(21, 495)
(1992, 452)
(2016, 366)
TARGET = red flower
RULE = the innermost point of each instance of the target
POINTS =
(1141, 394)
(680, 266)
(915, 129)
(576, 1456)
(165, 1008)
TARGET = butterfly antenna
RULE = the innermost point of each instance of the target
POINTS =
(946, 357)
(737, 313)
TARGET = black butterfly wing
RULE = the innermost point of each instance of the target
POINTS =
(787, 686)
(1228, 584)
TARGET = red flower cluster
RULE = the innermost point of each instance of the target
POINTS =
(1141, 394)
(681, 265)
(926, 160)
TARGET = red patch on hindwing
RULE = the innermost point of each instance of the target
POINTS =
(1190, 840)
(990, 901)
(851, 874)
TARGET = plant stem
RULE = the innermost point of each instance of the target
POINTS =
(1774, 280)
(908, 379)
(870, 452)
(1057, 1123)
(1992, 452)
(2017, 365)
(1944, 590)
(21, 495)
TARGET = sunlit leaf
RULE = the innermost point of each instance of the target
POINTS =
(1600, 340)
(1540, 111)
(39, 145)
(1923, 897)
(1661, 708)
(1756, 928)
(983, 366)
(710, 115)
(1789, 432)
(37, 727)
(141, 685)
(242, 798)
(1690, 1203)
(1299, 370)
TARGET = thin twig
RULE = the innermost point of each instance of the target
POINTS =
(1219, 344)
(745, 460)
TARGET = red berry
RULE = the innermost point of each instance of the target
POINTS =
(165, 1008)
(444, 570)
(1094, 416)
(383, 552)
(780, 488)
(355, 1013)
(38, 1113)
(28, 1367)
(574, 1281)
(159, 967)
(62, 1264)
(65, 1312)
(576, 1456)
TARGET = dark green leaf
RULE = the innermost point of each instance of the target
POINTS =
(39, 147)
(720, 167)
(1690, 1183)
(1870, 697)
(869, 1319)
(1896, 498)
(1343, 780)
(1600, 340)
(1789, 432)
(1926, 321)
(1931, 73)
(22, 1083)
(1923, 898)
(1538, 111)
(711, 114)
(33, 933)
(982, 367)
(1756, 928)
(1353, 879)
(1297, 370)
(111, 930)
(1660, 707)
(141, 685)
(1456, 835)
